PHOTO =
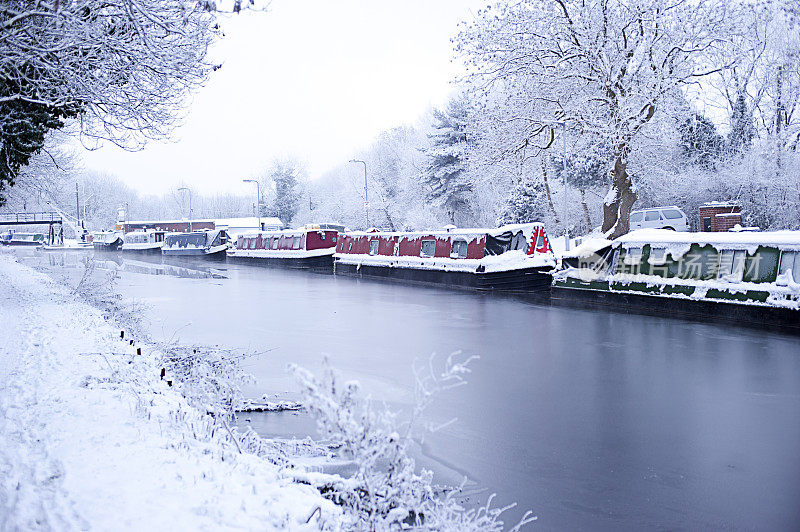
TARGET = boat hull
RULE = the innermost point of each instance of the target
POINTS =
(323, 263)
(45, 247)
(763, 317)
(23, 243)
(218, 254)
(110, 246)
(523, 280)
(143, 251)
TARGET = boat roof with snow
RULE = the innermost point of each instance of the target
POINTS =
(729, 240)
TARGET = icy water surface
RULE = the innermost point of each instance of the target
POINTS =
(593, 420)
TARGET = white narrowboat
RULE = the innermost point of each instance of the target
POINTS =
(146, 241)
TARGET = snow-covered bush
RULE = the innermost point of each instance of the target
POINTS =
(386, 492)
(210, 378)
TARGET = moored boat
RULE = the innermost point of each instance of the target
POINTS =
(511, 258)
(748, 278)
(146, 241)
(206, 244)
(67, 245)
(107, 240)
(24, 239)
(310, 247)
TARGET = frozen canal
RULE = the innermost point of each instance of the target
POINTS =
(593, 420)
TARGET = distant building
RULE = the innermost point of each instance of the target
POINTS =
(718, 216)
(233, 226)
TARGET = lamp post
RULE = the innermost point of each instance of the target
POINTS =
(258, 198)
(366, 194)
(564, 172)
(190, 205)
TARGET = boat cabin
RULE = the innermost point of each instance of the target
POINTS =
(288, 240)
(456, 244)
(145, 240)
(747, 266)
(195, 240)
(24, 239)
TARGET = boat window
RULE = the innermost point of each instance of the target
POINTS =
(672, 214)
(636, 216)
(350, 248)
(373, 247)
(275, 241)
(632, 256)
(790, 260)
(296, 243)
(731, 265)
(652, 216)
(458, 249)
(657, 256)
(428, 248)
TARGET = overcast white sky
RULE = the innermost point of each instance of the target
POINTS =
(316, 79)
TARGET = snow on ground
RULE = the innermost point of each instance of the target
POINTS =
(92, 438)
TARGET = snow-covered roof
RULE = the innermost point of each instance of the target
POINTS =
(474, 231)
(588, 247)
(740, 239)
(720, 204)
(150, 222)
(249, 221)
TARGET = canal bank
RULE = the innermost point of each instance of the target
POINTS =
(92, 438)
(594, 420)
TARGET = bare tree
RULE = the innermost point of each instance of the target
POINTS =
(599, 67)
(121, 68)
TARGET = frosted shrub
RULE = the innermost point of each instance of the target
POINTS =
(209, 378)
(386, 492)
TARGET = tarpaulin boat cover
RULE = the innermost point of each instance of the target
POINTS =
(506, 241)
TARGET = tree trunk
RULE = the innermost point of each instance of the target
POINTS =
(586, 217)
(547, 191)
(389, 219)
(619, 200)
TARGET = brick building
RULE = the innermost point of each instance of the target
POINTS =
(719, 216)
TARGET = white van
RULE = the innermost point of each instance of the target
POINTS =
(660, 218)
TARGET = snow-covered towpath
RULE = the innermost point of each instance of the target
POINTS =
(92, 438)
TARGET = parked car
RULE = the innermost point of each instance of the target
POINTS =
(660, 218)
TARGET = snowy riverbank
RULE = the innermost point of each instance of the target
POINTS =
(92, 438)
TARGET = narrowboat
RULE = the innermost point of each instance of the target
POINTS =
(67, 245)
(206, 244)
(310, 247)
(512, 258)
(107, 240)
(746, 278)
(24, 239)
(145, 241)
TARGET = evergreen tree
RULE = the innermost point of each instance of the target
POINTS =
(525, 204)
(699, 143)
(446, 172)
(23, 130)
(742, 129)
(284, 176)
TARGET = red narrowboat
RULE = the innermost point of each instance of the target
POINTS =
(310, 247)
(513, 258)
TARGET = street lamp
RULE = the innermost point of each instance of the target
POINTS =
(564, 172)
(190, 205)
(258, 199)
(366, 195)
